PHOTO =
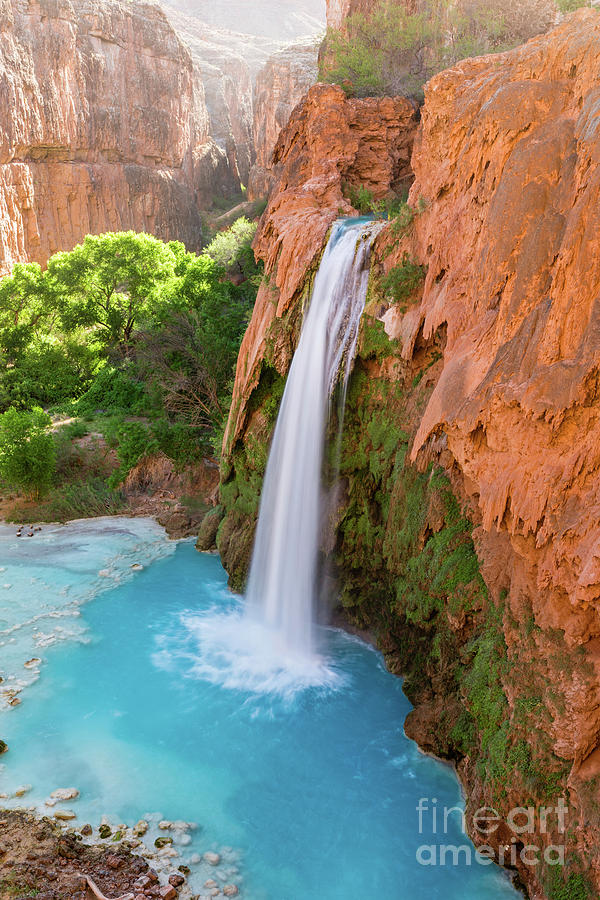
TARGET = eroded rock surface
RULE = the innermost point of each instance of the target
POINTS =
(468, 530)
(39, 858)
(104, 127)
(329, 143)
(280, 86)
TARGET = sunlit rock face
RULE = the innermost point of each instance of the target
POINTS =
(491, 370)
(280, 85)
(339, 10)
(104, 127)
(228, 64)
(508, 163)
(329, 142)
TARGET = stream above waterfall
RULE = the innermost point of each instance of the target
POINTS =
(312, 795)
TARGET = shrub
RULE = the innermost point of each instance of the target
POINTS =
(27, 453)
(47, 373)
(567, 6)
(113, 390)
(404, 279)
(232, 249)
(133, 441)
(393, 50)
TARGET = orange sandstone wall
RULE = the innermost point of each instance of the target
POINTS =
(506, 195)
(103, 125)
(329, 142)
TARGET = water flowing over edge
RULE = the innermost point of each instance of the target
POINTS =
(272, 645)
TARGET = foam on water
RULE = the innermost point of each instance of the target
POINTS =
(44, 581)
(237, 653)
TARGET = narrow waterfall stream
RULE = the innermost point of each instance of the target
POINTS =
(283, 574)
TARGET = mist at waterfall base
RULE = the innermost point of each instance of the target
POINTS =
(271, 644)
(314, 797)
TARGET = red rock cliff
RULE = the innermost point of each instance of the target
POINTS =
(280, 85)
(329, 142)
(508, 162)
(504, 338)
(103, 126)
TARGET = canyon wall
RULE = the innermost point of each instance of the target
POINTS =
(104, 127)
(228, 64)
(339, 10)
(280, 86)
(465, 515)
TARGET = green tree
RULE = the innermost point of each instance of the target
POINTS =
(27, 309)
(112, 283)
(27, 453)
(394, 50)
(190, 359)
(232, 249)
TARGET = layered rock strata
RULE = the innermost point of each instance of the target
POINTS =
(104, 127)
(280, 86)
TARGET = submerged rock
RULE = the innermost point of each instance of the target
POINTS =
(213, 859)
(21, 791)
(65, 794)
(161, 842)
(64, 815)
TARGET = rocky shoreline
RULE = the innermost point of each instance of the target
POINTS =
(51, 860)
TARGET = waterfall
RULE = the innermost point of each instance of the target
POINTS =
(283, 576)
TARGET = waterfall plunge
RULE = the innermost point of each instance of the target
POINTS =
(283, 575)
(268, 647)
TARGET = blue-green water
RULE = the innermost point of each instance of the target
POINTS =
(310, 797)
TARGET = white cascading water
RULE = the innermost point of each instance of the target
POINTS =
(283, 575)
(269, 647)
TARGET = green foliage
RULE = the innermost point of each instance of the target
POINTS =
(133, 441)
(403, 220)
(403, 280)
(394, 49)
(82, 498)
(363, 200)
(444, 575)
(574, 886)
(112, 283)
(375, 344)
(567, 6)
(114, 390)
(47, 372)
(27, 454)
(27, 309)
(232, 249)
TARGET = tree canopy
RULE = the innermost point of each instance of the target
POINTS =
(394, 50)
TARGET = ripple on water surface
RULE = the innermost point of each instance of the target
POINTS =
(302, 794)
